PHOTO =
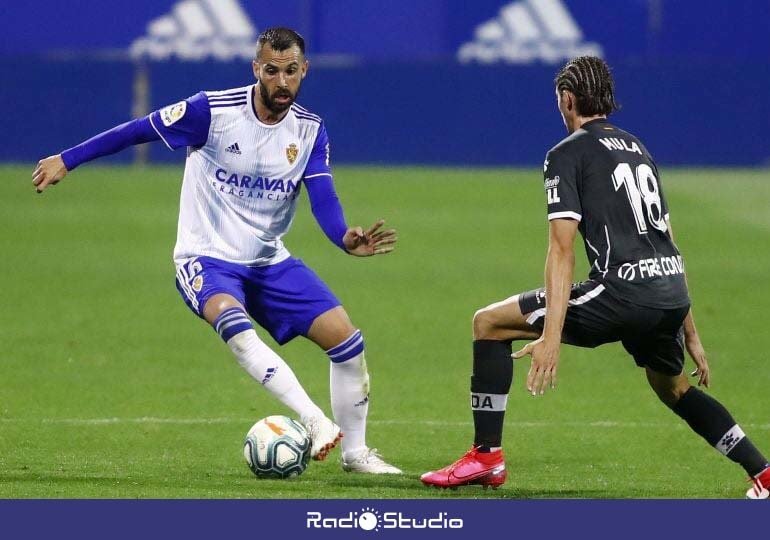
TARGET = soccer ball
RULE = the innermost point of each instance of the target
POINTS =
(277, 447)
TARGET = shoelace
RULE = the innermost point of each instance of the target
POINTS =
(371, 455)
(313, 430)
(457, 463)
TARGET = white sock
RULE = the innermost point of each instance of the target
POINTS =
(269, 369)
(349, 382)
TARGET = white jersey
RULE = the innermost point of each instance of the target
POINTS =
(242, 177)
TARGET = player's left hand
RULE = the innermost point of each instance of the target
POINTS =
(545, 362)
(370, 242)
(698, 355)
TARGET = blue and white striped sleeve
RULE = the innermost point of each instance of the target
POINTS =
(185, 123)
(318, 164)
(324, 202)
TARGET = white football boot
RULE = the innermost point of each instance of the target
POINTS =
(368, 461)
(324, 435)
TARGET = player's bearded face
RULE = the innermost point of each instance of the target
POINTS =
(279, 99)
(280, 75)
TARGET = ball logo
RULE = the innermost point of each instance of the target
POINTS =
(627, 271)
(278, 430)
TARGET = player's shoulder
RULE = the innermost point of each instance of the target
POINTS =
(632, 137)
(304, 115)
(223, 100)
(571, 146)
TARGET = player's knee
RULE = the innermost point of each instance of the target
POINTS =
(331, 328)
(668, 389)
(218, 304)
(231, 322)
(349, 348)
(483, 324)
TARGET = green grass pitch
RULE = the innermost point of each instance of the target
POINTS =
(110, 387)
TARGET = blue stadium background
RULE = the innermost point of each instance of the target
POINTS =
(692, 77)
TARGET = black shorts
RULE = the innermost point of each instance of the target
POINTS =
(654, 337)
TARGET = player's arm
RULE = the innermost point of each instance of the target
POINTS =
(691, 338)
(327, 210)
(51, 170)
(559, 268)
(183, 124)
(564, 214)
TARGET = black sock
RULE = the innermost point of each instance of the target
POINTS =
(709, 419)
(490, 383)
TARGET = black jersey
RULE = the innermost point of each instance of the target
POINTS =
(604, 177)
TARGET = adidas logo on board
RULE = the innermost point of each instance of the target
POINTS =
(199, 29)
(528, 31)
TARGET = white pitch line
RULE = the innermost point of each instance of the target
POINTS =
(376, 422)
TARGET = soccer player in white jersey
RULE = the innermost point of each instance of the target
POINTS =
(249, 151)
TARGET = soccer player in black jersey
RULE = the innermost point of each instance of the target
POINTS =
(602, 182)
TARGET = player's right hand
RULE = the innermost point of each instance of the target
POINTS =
(48, 172)
(698, 354)
(545, 363)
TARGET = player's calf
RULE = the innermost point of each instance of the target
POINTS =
(709, 419)
(262, 363)
(484, 463)
(349, 381)
(490, 384)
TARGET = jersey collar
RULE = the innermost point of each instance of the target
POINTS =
(253, 110)
(596, 121)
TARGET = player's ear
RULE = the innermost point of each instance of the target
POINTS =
(569, 100)
(305, 67)
(255, 68)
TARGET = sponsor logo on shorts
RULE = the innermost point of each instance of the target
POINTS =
(197, 283)
(649, 268)
(552, 182)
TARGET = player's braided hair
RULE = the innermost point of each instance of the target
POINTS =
(589, 78)
(280, 39)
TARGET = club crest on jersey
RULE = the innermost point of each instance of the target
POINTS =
(173, 113)
(197, 283)
(291, 153)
